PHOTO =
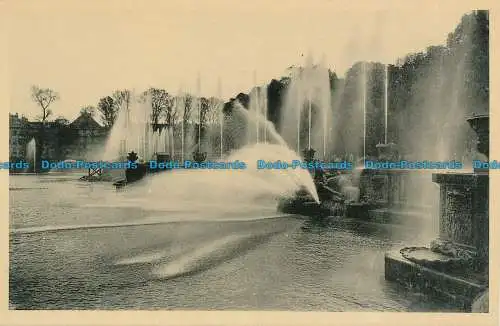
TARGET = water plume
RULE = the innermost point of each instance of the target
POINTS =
(31, 153)
(307, 108)
(208, 192)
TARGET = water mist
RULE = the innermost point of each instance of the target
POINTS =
(307, 107)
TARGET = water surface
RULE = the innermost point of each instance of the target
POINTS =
(151, 259)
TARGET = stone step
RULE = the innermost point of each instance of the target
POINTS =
(458, 290)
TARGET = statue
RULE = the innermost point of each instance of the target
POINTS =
(132, 156)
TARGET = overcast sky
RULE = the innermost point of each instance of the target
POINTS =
(86, 49)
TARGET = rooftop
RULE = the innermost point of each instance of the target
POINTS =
(84, 121)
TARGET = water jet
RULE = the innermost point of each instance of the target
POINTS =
(31, 153)
(306, 107)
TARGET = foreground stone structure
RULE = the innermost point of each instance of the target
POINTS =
(455, 266)
(384, 193)
(387, 152)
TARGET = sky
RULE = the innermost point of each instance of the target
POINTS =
(85, 50)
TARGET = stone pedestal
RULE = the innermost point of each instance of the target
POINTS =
(388, 152)
(133, 175)
(199, 156)
(162, 157)
(382, 187)
(463, 217)
(454, 266)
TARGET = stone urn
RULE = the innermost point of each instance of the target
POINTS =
(480, 123)
(135, 174)
(132, 156)
(199, 156)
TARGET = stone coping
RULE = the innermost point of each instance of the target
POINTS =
(462, 179)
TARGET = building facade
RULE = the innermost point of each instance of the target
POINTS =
(18, 137)
(55, 140)
(88, 136)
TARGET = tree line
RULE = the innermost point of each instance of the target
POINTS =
(165, 108)
(428, 93)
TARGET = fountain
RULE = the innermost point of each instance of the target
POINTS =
(380, 190)
(386, 151)
(180, 106)
(258, 107)
(132, 174)
(31, 153)
(309, 97)
(251, 190)
(133, 130)
(308, 100)
(274, 182)
(254, 106)
(386, 100)
(221, 118)
(330, 201)
(309, 151)
(135, 133)
(364, 81)
(198, 155)
(456, 264)
(264, 109)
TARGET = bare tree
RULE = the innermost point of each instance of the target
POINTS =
(161, 104)
(214, 110)
(122, 99)
(176, 109)
(44, 97)
(171, 112)
(188, 107)
(108, 111)
(204, 110)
